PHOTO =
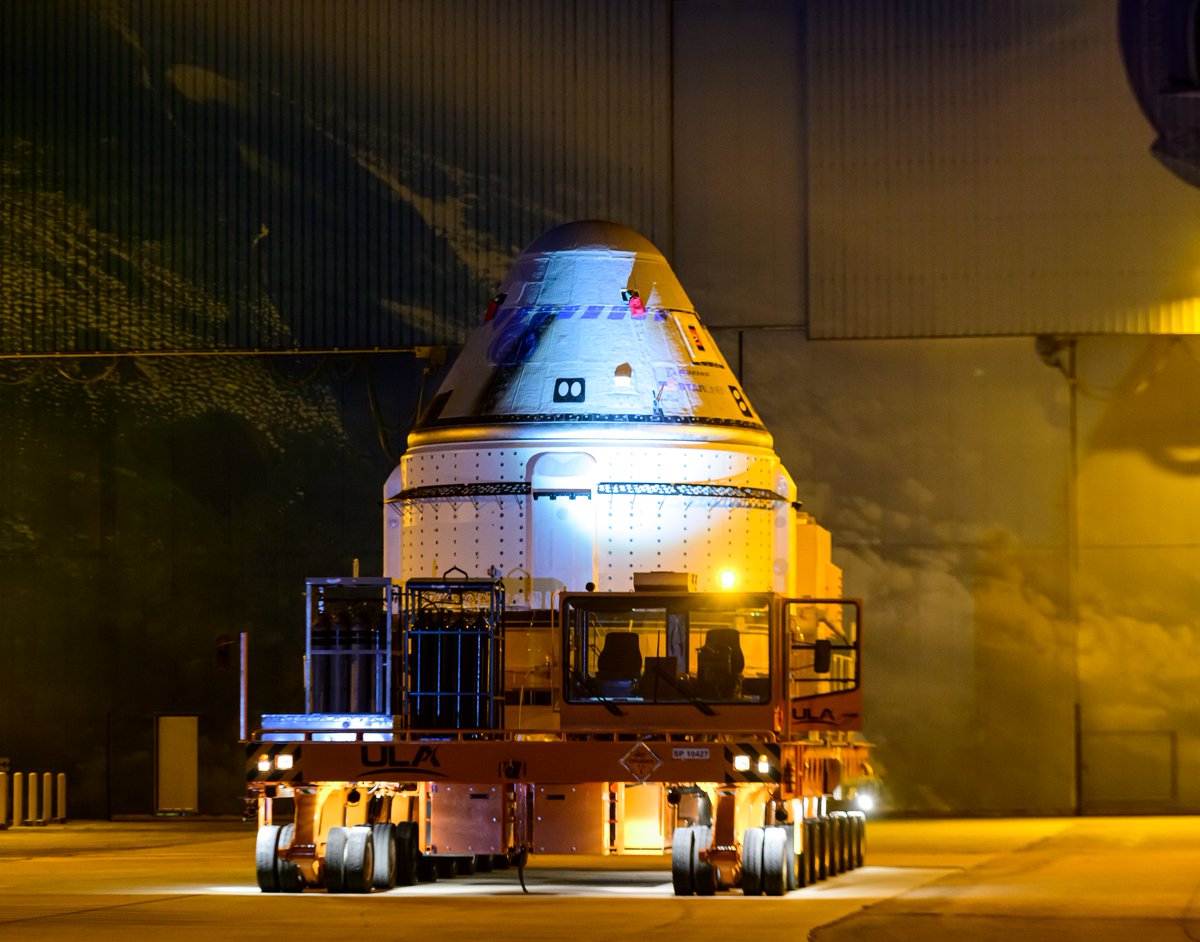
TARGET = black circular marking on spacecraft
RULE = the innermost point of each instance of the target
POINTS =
(569, 389)
(740, 401)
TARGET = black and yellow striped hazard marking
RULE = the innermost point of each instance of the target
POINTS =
(754, 752)
(263, 762)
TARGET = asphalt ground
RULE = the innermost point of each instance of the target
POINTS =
(1036, 879)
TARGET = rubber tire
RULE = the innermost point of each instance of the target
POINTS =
(446, 866)
(839, 845)
(704, 874)
(683, 851)
(287, 872)
(427, 871)
(811, 849)
(483, 863)
(501, 862)
(801, 850)
(465, 864)
(383, 836)
(774, 862)
(860, 838)
(836, 844)
(406, 853)
(360, 860)
(793, 862)
(334, 871)
(822, 847)
(266, 847)
(752, 862)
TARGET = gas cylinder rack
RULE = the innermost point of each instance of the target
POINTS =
(348, 645)
(453, 640)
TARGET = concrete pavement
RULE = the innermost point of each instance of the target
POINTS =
(1098, 879)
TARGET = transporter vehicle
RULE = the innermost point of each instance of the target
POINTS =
(605, 625)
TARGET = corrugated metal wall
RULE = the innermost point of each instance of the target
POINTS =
(740, 175)
(982, 168)
(310, 173)
(315, 174)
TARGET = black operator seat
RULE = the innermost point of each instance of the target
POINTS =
(727, 642)
(620, 658)
(719, 664)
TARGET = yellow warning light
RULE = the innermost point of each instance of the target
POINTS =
(764, 766)
(283, 761)
(728, 578)
(264, 763)
(741, 763)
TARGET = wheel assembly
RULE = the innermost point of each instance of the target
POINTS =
(360, 860)
(265, 848)
(406, 853)
(682, 854)
(774, 861)
(704, 874)
(752, 862)
(384, 840)
(335, 860)
(287, 872)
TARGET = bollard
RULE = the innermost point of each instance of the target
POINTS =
(32, 794)
(61, 818)
(3, 801)
(18, 800)
(47, 798)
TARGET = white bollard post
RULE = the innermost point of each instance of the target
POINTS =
(62, 798)
(18, 803)
(3, 800)
(47, 795)
(32, 795)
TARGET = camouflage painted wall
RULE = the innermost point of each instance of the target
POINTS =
(277, 175)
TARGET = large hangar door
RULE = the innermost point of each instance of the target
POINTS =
(1129, 771)
(562, 524)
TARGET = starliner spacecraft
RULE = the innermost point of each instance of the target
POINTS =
(591, 430)
(605, 623)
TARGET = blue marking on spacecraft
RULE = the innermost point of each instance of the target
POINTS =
(518, 337)
(612, 312)
(519, 328)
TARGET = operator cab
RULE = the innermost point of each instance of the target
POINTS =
(680, 660)
(711, 648)
(701, 662)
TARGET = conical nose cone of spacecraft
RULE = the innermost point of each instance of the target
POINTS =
(591, 328)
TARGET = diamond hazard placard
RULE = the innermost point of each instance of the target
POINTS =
(640, 761)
